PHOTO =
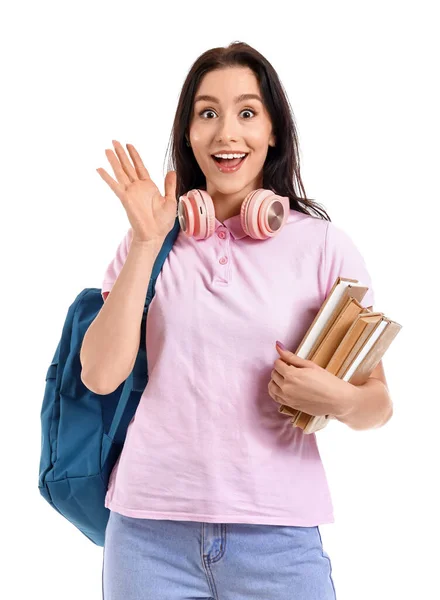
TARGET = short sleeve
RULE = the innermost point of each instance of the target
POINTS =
(342, 258)
(116, 264)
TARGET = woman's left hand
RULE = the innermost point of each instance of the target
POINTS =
(307, 387)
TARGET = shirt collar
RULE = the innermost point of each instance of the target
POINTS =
(233, 224)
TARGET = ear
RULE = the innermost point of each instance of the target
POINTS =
(272, 140)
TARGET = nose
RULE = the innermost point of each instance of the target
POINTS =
(227, 128)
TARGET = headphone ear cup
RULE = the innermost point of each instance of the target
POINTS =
(207, 214)
(196, 214)
(263, 213)
(185, 215)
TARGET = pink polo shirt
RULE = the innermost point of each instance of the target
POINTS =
(207, 442)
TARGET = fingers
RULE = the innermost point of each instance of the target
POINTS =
(277, 378)
(119, 172)
(111, 182)
(141, 170)
(124, 171)
(282, 367)
(126, 164)
(122, 168)
(274, 392)
(170, 185)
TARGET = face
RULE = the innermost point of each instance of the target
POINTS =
(222, 123)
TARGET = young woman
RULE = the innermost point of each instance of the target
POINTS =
(215, 494)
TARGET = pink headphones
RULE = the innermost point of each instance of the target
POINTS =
(262, 214)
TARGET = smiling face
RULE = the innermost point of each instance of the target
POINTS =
(223, 123)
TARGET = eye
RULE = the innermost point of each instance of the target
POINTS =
(207, 110)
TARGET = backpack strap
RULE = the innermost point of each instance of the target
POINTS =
(138, 378)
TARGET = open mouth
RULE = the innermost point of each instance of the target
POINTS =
(229, 164)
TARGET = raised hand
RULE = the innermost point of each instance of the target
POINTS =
(151, 215)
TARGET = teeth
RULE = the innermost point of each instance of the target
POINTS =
(229, 155)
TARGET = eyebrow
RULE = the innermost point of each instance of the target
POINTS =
(238, 99)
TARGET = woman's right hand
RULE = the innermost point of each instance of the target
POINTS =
(151, 215)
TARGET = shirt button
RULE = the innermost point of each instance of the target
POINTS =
(221, 234)
(223, 260)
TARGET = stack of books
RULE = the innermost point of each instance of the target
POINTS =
(346, 339)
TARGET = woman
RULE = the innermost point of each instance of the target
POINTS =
(215, 494)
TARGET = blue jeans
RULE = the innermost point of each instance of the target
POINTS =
(146, 559)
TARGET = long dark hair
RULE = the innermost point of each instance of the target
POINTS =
(281, 170)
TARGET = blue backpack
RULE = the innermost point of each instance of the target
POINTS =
(82, 433)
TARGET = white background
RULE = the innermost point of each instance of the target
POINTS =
(361, 79)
